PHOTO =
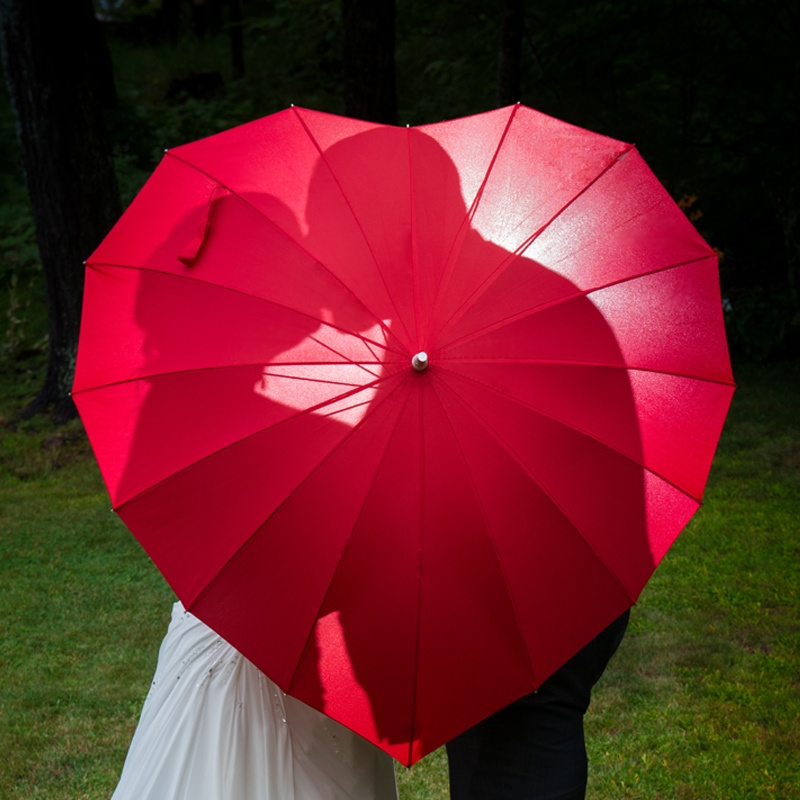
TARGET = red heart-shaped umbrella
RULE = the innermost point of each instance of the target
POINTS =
(408, 415)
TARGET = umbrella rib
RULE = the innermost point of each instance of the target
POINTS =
(582, 432)
(348, 408)
(419, 582)
(278, 376)
(306, 378)
(341, 557)
(356, 335)
(417, 644)
(366, 494)
(420, 551)
(359, 364)
(398, 316)
(566, 299)
(490, 279)
(469, 215)
(368, 344)
(501, 441)
(285, 233)
(415, 276)
(244, 544)
(154, 376)
(561, 362)
(290, 377)
(420, 564)
(477, 497)
(298, 413)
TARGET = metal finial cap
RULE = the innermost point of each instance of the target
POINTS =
(420, 361)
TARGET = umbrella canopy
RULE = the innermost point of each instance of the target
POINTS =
(407, 415)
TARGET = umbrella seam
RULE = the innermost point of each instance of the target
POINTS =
(195, 370)
(627, 456)
(333, 572)
(510, 450)
(468, 216)
(477, 497)
(420, 572)
(555, 362)
(489, 281)
(307, 379)
(252, 296)
(347, 408)
(229, 445)
(341, 558)
(497, 325)
(415, 277)
(398, 317)
(285, 233)
(240, 549)
(358, 516)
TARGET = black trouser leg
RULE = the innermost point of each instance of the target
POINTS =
(534, 748)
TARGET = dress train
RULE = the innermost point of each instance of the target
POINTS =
(213, 727)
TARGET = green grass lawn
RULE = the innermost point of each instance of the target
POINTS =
(702, 700)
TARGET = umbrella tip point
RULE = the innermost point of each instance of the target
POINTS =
(420, 361)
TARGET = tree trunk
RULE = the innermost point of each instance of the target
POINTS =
(206, 17)
(236, 37)
(50, 56)
(368, 53)
(509, 58)
(171, 14)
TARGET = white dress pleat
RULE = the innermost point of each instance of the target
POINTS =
(213, 727)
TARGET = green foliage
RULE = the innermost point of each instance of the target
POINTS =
(707, 90)
(22, 321)
(761, 323)
(702, 700)
(700, 703)
(296, 54)
(445, 60)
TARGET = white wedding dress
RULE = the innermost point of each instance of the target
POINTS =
(213, 727)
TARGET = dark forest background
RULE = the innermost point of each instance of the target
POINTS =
(709, 90)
